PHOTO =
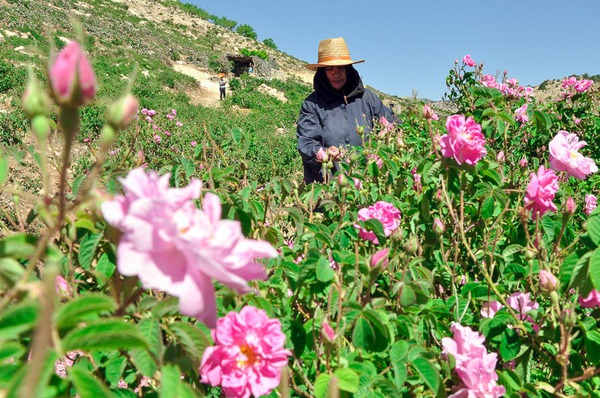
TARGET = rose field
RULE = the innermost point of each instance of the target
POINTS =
(154, 248)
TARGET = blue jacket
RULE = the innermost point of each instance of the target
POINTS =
(329, 117)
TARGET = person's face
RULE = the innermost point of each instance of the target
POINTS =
(336, 76)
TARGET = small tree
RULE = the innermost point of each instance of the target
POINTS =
(270, 43)
(224, 22)
(247, 31)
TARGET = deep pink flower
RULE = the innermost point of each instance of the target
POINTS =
(590, 204)
(540, 192)
(523, 162)
(380, 258)
(565, 156)
(474, 365)
(385, 212)
(173, 246)
(72, 77)
(193, 143)
(151, 112)
(591, 301)
(247, 356)
(327, 332)
(583, 85)
(570, 206)
(520, 302)
(469, 61)
(464, 141)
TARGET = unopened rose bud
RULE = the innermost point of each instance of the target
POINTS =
(327, 332)
(35, 99)
(438, 226)
(107, 137)
(427, 112)
(411, 245)
(334, 153)
(121, 113)
(548, 282)
(500, 158)
(72, 77)
(322, 156)
(40, 125)
(342, 180)
(523, 163)
(570, 206)
(380, 258)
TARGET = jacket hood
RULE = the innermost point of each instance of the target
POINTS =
(353, 87)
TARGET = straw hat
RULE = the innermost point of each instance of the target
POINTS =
(333, 52)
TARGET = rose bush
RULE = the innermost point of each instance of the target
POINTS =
(486, 285)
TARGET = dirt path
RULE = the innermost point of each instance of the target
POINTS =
(207, 92)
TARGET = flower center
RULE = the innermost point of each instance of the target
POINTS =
(250, 356)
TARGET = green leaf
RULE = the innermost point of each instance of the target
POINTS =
(594, 270)
(10, 271)
(348, 380)
(593, 227)
(165, 307)
(237, 134)
(17, 319)
(3, 167)
(146, 360)
(83, 308)
(77, 185)
(193, 340)
(510, 344)
(370, 333)
(171, 384)
(592, 346)
(487, 208)
(19, 246)
(86, 385)
(428, 373)
(188, 167)
(114, 368)
(106, 267)
(322, 385)
(324, 271)
(104, 335)
(407, 296)
(376, 227)
(10, 350)
(87, 250)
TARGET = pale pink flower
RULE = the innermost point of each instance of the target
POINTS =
(473, 364)
(523, 162)
(376, 159)
(144, 111)
(386, 213)
(167, 133)
(590, 204)
(123, 111)
(540, 192)
(380, 258)
(489, 308)
(157, 138)
(489, 81)
(149, 119)
(520, 302)
(173, 246)
(62, 286)
(178, 124)
(591, 301)
(322, 156)
(521, 114)
(569, 81)
(438, 226)
(548, 282)
(570, 206)
(565, 156)
(467, 60)
(248, 354)
(87, 140)
(357, 183)
(151, 112)
(170, 116)
(387, 126)
(193, 143)
(174, 112)
(72, 77)
(61, 365)
(464, 141)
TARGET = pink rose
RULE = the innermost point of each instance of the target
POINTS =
(565, 156)
(540, 192)
(591, 301)
(247, 356)
(590, 204)
(386, 213)
(474, 365)
(327, 332)
(72, 77)
(464, 141)
(548, 282)
(467, 60)
(380, 258)
(521, 114)
(173, 246)
(583, 85)
(387, 126)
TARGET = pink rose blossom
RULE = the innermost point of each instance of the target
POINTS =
(520, 302)
(523, 162)
(565, 156)
(469, 61)
(540, 192)
(380, 258)
(357, 183)
(174, 112)
(173, 246)
(387, 126)
(72, 77)
(151, 112)
(322, 156)
(590, 204)
(583, 85)
(489, 309)
(193, 143)
(474, 365)
(170, 116)
(248, 354)
(178, 124)
(374, 158)
(464, 141)
(591, 301)
(386, 213)
(157, 138)
(521, 114)
(570, 206)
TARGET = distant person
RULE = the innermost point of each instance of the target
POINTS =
(251, 68)
(329, 117)
(222, 87)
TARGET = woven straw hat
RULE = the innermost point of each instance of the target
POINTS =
(333, 52)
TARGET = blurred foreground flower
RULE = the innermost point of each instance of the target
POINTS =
(248, 354)
(590, 204)
(464, 141)
(386, 213)
(591, 301)
(474, 365)
(72, 77)
(173, 246)
(565, 156)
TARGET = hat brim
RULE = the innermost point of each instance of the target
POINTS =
(335, 62)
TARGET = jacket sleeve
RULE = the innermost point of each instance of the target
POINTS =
(309, 133)
(379, 109)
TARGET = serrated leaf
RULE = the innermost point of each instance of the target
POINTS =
(105, 267)
(594, 269)
(17, 319)
(77, 185)
(428, 373)
(348, 380)
(193, 340)
(407, 296)
(593, 227)
(146, 360)
(104, 335)
(324, 271)
(165, 307)
(487, 208)
(87, 250)
(114, 368)
(592, 346)
(86, 385)
(83, 308)
(322, 385)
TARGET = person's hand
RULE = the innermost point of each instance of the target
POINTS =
(334, 153)
(322, 156)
